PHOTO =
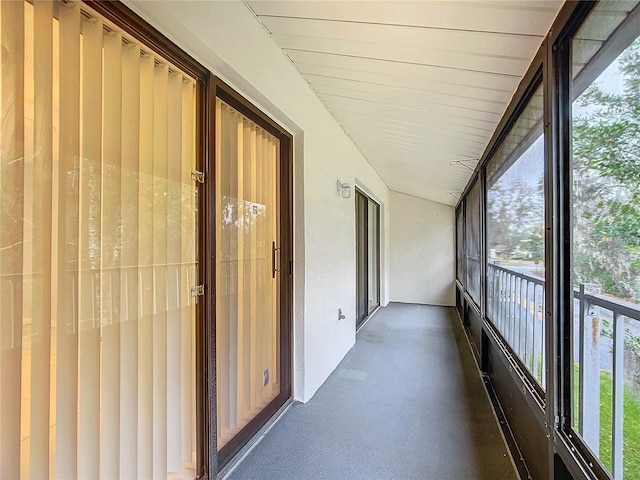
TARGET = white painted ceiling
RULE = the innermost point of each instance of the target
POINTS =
(416, 85)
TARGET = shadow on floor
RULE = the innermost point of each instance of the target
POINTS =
(406, 402)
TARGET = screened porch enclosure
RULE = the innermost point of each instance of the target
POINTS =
(558, 311)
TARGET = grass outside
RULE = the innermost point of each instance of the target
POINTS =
(631, 427)
(535, 367)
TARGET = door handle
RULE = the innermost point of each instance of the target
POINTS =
(273, 259)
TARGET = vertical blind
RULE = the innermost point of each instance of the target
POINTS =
(247, 233)
(97, 251)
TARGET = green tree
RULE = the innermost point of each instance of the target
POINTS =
(515, 221)
(606, 169)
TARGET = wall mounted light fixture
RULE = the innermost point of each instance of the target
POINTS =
(344, 189)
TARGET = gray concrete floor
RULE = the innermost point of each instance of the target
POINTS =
(406, 402)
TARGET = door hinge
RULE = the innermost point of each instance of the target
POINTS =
(197, 176)
(197, 291)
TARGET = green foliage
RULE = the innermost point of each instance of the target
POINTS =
(632, 344)
(630, 429)
(606, 170)
(515, 220)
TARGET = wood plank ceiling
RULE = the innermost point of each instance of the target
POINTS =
(416, 85)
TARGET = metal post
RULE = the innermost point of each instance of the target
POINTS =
(503, 299)
(491, 286)
(516, 317)
(540, 307)
(522, 349)
(618, 394)
(512, 309)
(530, 330)
(590, 368)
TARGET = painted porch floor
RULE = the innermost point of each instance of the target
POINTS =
(407, 402)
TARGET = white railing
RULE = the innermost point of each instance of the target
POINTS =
(606, 348)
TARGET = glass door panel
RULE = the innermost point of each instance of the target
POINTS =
(361, 259)
(367, 256)
(373, 255)
(247, 279)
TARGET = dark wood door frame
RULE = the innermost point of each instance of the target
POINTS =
(218, 459)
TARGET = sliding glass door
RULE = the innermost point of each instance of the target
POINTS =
(367, 256)
(98, 250)
(251, 276)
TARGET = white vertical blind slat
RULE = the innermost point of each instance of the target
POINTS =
(145, 259)
(90, 295)
(241, 319)
(254, 334)
(188, 258)
(258, 262)
(111, 262)
(160, 205)
(28, 262)
(66, 410)
(222, 247)
(233, 204)
(129, 204)
(42, 234)
(11, 227)
(55, 236)
(264, 273)
(266, 278)
(174, 238)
